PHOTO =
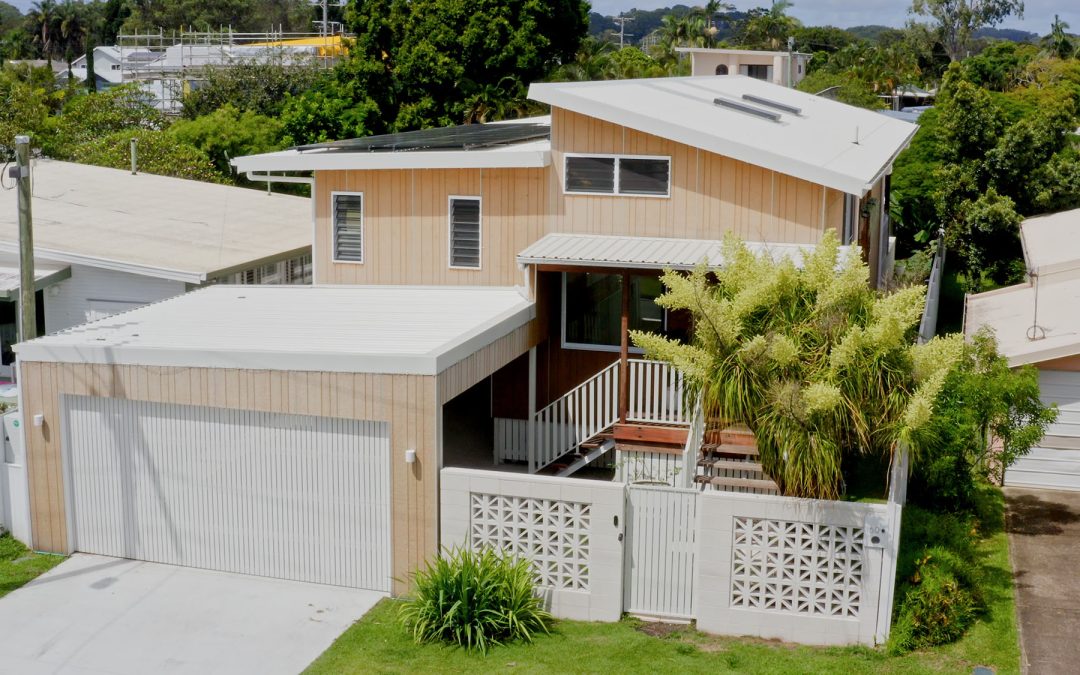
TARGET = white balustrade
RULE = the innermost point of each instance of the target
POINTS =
(583, 412)
(656, 394)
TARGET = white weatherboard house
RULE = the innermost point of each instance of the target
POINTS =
(106, 241)
(461, 356)
(1038, 323)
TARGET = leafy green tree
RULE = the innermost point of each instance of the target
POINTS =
(29, 95)
(957, 21)
(969, 121)
(241, 15)
(88, 117)
(260, 86)
(998, 67)
(846, 87)
(983, 232)
(159, 153)
(227, 133)
(817, 364)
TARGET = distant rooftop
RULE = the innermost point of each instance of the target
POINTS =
(154, 225)
(1052, 243)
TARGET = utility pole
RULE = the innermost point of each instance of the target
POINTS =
(621, 22)
(27, 309)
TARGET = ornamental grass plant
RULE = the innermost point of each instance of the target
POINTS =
(475, 599)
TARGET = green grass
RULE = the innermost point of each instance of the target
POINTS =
(19, 565)
(378, 644)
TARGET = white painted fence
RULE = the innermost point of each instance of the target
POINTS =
(577, 416)
(570, 528)
(802, 570)
(656, 393)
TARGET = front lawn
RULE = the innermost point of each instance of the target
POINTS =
(377, 643)
(19, 565)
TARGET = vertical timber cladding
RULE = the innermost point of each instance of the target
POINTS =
(406, 402)
(711, 195)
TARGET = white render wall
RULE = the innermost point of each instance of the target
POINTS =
(570, 528)
(92, 292)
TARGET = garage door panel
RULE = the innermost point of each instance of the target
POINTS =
(288, 496)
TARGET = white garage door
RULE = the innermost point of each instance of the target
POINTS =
(1055, 463)
(286, 496)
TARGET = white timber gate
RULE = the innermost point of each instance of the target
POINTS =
(287, 496)
(659, 554)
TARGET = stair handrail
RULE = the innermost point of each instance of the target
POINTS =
(694, 439)
(559, 430)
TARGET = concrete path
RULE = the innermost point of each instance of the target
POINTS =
(99, 615)
(1044, 538)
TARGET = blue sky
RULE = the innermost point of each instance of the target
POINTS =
(843, 13)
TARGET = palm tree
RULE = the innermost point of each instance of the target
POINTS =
(770, 29)
(592, 62)
(44, 18)
(1059, 43)
(73, 28)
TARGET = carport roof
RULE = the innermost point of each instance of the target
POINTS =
(1011, 313)
(366, 329)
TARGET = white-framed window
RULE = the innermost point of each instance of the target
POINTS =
(465, 231)
(347, 226)
(591, 314)
(625, 175)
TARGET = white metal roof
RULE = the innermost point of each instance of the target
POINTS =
(154, 225)
(1052, 244)
(828, 143)
(534, 154)
(370, 329)
(1010, 312)
(593, 250)
(739, 52)
(45, 274)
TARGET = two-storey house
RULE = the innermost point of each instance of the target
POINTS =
(473, 291)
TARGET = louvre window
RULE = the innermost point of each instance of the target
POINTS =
(465, 232)
(349, 227)
(618, 175)
(590, 174)
(643, 176)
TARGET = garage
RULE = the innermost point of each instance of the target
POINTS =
(288, 432)
(1055, 462)
(294, 497)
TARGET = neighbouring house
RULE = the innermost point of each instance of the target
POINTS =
(1037, 323)
(473, 286)
(107, 68)
(784, 68)
(107, 241)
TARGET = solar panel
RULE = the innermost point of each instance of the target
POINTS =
(748, 109)
(760, 100)
(462, 137)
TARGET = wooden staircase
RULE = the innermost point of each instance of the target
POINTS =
(729, 461)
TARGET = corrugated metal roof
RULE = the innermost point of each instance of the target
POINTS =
(828, 143)
(1010, 312)
(154, 225)
(594, 250)
(369, 329)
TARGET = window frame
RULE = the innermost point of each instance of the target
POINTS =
(334, 194)
(450, 233)
(567, 156)
(584, 346)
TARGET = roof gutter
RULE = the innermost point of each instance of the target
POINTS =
(887, 168)
(257, 177)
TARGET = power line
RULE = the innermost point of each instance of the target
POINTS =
(621, 22)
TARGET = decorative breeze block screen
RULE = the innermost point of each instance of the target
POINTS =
(553, 534)
(799, 568)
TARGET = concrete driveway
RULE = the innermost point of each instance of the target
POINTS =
(1044, 539)
(98, 615)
